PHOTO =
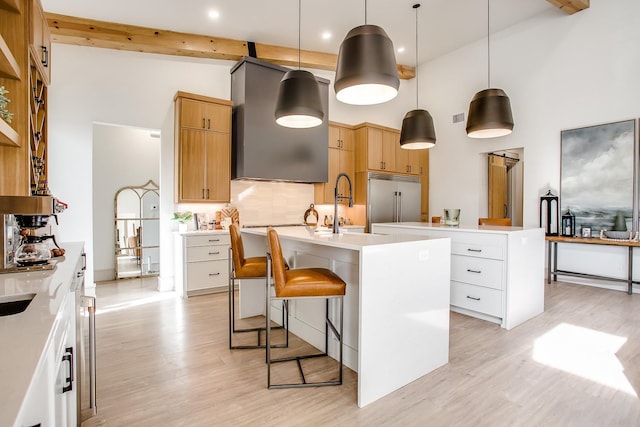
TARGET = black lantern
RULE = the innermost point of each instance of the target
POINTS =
(568, 224)
(551, 227)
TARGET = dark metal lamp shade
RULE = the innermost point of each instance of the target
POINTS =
(366, 72)
(489, 114)
(417, 130)
(298, 104)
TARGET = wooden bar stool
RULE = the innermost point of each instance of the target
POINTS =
(246, 268)
(296, 284)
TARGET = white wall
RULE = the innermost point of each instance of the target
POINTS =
(122, 156)
(561, 72)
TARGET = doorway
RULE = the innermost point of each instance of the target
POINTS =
(505, 185)
(122, 156)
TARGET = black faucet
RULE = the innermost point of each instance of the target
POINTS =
(340, 197)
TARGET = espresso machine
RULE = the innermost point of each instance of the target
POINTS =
(22, 248)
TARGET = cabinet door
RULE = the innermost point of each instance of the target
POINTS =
(218, 167)
(334, 137)
(413, 161)
(390, 142)
(218, 118)
(347, 138)
(192, 165)
(374, 149)
(347, 166)
(402, 159)
(40, 40)
(334, 170)
(192, 114)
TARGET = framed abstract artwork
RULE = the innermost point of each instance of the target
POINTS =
(598, 177)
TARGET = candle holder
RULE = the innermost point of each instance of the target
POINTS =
(568, 224)
(552, 211)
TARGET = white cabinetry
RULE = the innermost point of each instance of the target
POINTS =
(202, 262)
(51, 398)
(497, 273)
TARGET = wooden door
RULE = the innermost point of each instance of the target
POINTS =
(374, 149)
(347, 138)
(192, 165)
(217, 117)
(497, 187)
(217, 167)
(390, 140)
(347, 166)
(192, 114)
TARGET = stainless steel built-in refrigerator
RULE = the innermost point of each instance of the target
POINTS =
(392, 198)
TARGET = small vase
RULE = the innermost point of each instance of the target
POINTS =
(620, 224)
(182, 228)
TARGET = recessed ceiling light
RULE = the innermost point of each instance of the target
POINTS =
(326, 35)
(214, 14)
(400, 49)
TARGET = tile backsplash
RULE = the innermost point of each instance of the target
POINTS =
(269, 203)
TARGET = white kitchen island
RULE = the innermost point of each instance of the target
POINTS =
(396, 307)
(497, 273)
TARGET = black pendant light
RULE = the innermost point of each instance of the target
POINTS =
(366, 72)
(298, 104)
(417, 126)
(490, 109)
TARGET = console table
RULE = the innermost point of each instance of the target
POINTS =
(553, 253)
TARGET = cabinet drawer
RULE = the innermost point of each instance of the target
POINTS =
(207, 253)
(477, 271)
(208, 239)
(477, 298)
(208, 274)
(480, 250)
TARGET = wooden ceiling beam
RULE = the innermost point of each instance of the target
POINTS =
(570, 6)
(88, 32)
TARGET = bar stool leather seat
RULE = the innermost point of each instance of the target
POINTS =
(244, 268)
(301, 283)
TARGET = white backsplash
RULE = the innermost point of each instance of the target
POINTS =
(265, 203)
(273, 203)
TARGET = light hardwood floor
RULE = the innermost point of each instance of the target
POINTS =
(164, 361)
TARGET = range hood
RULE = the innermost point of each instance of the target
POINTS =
(263, 150)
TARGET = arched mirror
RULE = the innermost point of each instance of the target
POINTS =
(137, 231)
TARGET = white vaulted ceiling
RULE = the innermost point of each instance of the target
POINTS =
(445, 25)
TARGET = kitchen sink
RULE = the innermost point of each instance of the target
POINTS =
(14, 304)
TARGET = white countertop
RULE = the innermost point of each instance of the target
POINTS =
(353, 241)
(24, 336)
(499, 229)
(201, 232)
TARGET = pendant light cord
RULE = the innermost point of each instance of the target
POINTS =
(488, 50)
(299, 19)
(365, 12)
(416, 6)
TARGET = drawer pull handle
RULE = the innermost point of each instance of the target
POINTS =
(214, 253)
(473, 298)
(214, 240)
(474, 250)
(474, 271)
(214, 274)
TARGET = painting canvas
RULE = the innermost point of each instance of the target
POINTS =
(597, 175)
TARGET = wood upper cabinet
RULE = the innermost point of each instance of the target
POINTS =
(40, 41)
(341, 160)
(378, 149)
(202, 149)
(23, 142)
(407, 161)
